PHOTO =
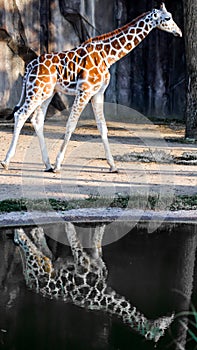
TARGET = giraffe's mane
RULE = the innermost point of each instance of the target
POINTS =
(116, 31)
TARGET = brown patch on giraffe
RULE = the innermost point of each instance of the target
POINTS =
(89, 48)
(47, 89)
(47, 264)
(65, 74)
(81, 52)
(113, 52)
(116, 44)
(42, 58)
(129, 37)
(136, 41)
(141, 24)
(138, 30)
(128, 46)
(95, 80)
(47, 63)
(141, 36)
(107, 76)
(81, 74)
(43, 70)
(31, 78)
(94, 76)
(85, 86)
(146, 27)
(99, 47)
(45, 79)
(87, 62)
(119, 35)
(71, 66)
(96, 58)
(102, 67)
(121, 54)
(61, 55)
(60, 69)
(55, 59)
(123, 40)
(34, 70)
(49, 56)
(76, 59)
(52, 69)
(132, 31)
(70, 55)
(35, 90)
(107, 48)
(111, 60)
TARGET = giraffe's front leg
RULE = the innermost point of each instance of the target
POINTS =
(80, 257)
(97, 240)
(79, 104)
(97, 104)
(38, 237)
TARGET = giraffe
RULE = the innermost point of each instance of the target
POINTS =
(83, 72)
(81, 279)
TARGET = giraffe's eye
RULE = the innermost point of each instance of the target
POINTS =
(167, 18)
(155, 16)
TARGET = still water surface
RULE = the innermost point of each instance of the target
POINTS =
(155, 272)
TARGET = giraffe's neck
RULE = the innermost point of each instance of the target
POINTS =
(120, 42)
(116, 305)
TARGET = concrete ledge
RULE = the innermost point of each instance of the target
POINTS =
(15, 219)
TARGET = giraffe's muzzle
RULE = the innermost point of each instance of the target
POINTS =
(177, 32)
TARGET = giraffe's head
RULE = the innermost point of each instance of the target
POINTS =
(162, 19)
(21, 239)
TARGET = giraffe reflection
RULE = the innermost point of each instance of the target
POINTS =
(80, 279)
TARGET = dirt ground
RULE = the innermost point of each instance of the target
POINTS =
(85, 172)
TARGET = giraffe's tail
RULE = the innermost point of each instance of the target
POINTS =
(16, 108)
(11, 116)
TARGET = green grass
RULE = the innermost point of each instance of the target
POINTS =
(188, 320)
(153, 202)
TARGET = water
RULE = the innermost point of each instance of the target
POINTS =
(155, 272)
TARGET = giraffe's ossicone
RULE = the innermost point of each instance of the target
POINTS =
(84, 72)
(81, 279)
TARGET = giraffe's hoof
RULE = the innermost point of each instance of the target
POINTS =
(4, 165)
(50, 170)
(113, 170)
(56, 170)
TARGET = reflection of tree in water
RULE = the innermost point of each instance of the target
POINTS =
(80, 279)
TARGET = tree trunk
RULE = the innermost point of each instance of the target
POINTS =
(190, 14)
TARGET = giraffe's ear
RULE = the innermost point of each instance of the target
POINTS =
(163, 7)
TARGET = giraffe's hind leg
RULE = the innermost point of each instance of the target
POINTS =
(37, 121)
(20, 118)
(35, 263)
